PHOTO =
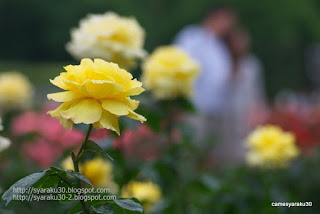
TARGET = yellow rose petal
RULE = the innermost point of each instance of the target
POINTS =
(65, 96)
(134, 91)
(76, 87)
(58, 81)
(100, 89)
(56, 113)
(98, 75)
(108, 121)
(84, 111)
(135, 116)
(133, 104)
(67, 124)
(86, 62)
(115, 107)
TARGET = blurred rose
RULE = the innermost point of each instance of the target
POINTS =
(51, 138)
(25, 123)
(15, 91)
(147, 192)
(99, 172)
(270, 146)
(142, 143)
(110, 37)
(41, 152)
(99, 134)
(169, 73)
(302, 120)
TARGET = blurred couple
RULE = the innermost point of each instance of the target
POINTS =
(230, 85)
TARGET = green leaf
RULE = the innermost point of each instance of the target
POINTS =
(93, 147)
(24, 183)
(6, 211)
(47, 181)
(79, 176)
(52, 178)
(106, 209)
(129, 204)
(76, 209)
(62, 173)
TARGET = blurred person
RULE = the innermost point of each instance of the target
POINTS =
(244, 94)
(205, 43)
(230, 85)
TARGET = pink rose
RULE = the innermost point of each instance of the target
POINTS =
(41, 152)
(25, 123)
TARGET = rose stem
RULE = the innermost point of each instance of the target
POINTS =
(76, 166)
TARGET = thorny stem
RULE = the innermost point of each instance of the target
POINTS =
(75, 160)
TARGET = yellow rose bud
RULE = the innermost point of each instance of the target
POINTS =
(15, 91)
(169, 72)
(147, 192)
(109, 37)
(269, 145)
(97, 92)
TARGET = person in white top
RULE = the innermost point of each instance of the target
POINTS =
(228, 87)
(205, 44)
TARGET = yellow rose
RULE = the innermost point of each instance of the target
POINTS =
(15, 91)
(4, 142)
(147, 192)
(67, 164)
(169, 72)
(109, 37)
(97, 170)
(269, 145)
(97, 92)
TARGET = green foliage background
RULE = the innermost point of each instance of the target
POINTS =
(37, 30)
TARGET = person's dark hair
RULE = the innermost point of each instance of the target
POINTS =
(218, 8)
